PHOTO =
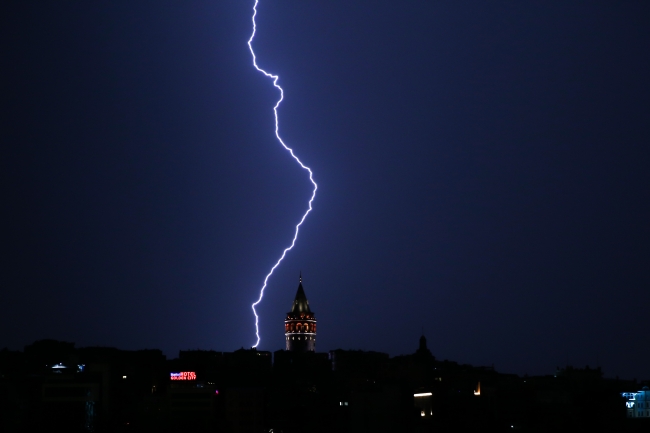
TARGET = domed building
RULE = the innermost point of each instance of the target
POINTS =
(300, 324)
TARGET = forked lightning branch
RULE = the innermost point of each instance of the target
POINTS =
(275, 78)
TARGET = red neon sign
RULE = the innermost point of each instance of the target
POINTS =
(183, 375)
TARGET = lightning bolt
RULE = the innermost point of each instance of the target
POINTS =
(311, 175)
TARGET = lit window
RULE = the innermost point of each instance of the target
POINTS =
(123, 377)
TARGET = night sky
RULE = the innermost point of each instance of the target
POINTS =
(483, 172)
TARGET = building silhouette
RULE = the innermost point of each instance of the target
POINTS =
(54, 386)
(300, 324)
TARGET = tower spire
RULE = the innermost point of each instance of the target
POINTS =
(300, 324)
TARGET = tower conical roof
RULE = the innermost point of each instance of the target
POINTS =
(300, 304)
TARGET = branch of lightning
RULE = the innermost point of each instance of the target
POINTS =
(311, 176)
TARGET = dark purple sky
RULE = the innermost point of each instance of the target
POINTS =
(483, 172)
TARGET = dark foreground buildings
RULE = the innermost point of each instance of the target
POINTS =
(53, 386)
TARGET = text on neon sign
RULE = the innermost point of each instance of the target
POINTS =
(183, 375)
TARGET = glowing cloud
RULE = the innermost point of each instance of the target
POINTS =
(311, 176)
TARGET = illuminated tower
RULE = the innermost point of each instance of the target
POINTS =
(300, 324)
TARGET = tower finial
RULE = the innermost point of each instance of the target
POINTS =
(300, 278)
